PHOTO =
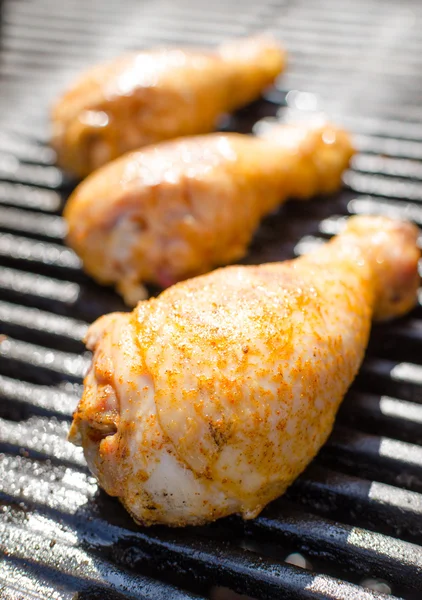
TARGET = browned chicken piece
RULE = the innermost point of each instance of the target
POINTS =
(180, 208)
(146, 97)
(212, 398)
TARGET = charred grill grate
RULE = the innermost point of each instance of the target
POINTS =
(356, 514)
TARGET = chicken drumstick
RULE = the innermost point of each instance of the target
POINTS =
(180, 208)
(212, 398)
(143, 98)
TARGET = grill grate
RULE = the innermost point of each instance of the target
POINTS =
(356, 513)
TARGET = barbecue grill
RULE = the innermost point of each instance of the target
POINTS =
(351, 526)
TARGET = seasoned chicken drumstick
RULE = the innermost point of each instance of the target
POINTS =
(143, 98)
(180, 208)
(212, 398)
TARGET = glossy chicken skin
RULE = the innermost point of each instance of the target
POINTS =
(146, 97)
(212, 398)
(181, 208)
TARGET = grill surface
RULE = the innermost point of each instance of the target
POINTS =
(356, 513)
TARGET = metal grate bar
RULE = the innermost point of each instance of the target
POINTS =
(48, 400)
(389, 107)
(80, 565)
(46, 328)
(368, 163)
(39, 286)
(362, 548)
(396, 418)
(25, 149)
(388, 146)
(397, 511)
(385, 459)
(383, 186)
(55, 486)
(356, 549)
(389, 208)
(163, 21)
(400, 378)
(57, 295)
(382, 127)
(40, 438)
(138, 36)
(45, 253)
(32, 318)
(29, 197)
(37, 357)
(16, 581)
(216, 561)
(338, 64)
(11, 169)
(33, 223)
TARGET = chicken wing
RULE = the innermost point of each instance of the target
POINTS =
(143, 98)
(180, 208)
(212, 398)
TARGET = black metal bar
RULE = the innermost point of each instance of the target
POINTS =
(29, 197)
(11, 169)
(41, 327)
(375, 457)
(219, 563)
(403, 379)
(59, 296)
(378, 506)
(52, 365)
(389, 208)
(32, 318)
(24, 249)
(371, 413)
(379, 185)
(32, 223)
(354, 548)
(26, 150)
(37, 399)
(82, 569)
(40, 438)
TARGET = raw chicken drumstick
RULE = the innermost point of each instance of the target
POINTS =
(143, 98)
(212, 398)
(180, 208)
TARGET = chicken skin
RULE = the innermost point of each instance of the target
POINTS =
(212, 398)
(181, 208)
(146, 97)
